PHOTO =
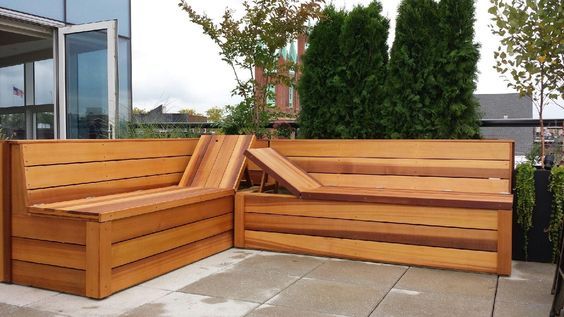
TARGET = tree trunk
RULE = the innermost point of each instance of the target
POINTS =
(541, 121)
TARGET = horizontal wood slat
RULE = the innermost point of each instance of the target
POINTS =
(413, 167)
(134, 206)
(64, 152)
(432, 216)
(413, 197)
(49, 229)
(132, 227)
(63, 193)
(49, 277)
(142, 270)
(406, 149)
(70, 174)
(481, 261)
(465, 185)
(471, 239)
(138, 248)
(52, 253)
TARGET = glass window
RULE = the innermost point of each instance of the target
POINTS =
(87, 85)
(44, 125)
(80, 11)
(124, 62)
(12, 86)
(43, 82)
(12, 126)
(53, 9)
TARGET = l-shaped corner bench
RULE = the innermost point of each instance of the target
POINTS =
(95, 217)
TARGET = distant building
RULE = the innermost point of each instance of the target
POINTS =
(158, 115)
(508, 106)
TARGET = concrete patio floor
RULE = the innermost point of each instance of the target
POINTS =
(262, 284)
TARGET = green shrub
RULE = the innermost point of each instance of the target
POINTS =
(556, 186)
(525, 196)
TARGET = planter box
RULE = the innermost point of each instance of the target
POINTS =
(540, 248)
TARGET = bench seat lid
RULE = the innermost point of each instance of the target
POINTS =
(112, 207)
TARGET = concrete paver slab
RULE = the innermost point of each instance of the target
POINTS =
(114, 305)
(246, 285)
(448, 282)
(524, 291)
(22, 295)
(512, 309)
(362, 273)
(280, 311)
(330, 297)
(289, 264)
(400, 303)
(181, 304)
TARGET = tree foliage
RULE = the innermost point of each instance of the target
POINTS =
(189, 111)
(321, 80)
(254, 40)
(215, 114)
(525, 199)
(432, 72)
(344, 70)
(531, 54)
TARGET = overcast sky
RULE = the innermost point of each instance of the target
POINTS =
(175, 64)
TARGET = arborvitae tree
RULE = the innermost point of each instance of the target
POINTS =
(411, 86)
(457, 72)
(365, 52)
(344, 70)
(321, 82)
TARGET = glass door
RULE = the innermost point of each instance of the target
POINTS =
(88, 97)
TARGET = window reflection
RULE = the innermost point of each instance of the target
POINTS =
(12, 86)
(80, 11)
(87, 85)
(12, 126)
(44, 125)
(43, 82)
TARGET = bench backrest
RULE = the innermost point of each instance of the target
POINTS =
(217, 162)
(62, 170)
(451, 165)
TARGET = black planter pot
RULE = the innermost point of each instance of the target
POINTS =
(540, 248)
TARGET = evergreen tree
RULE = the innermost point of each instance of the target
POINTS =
(344, 70)
(411, 85)
(457, 72)
(365, 52)
(321, 81)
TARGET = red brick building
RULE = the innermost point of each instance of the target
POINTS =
(286, 98)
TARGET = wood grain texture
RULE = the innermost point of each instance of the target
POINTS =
(128, 228)
(463, 185)
(219, 162)
(145, 269)
(145, 246)
(286, 173)
(469, 239)
(49, 277)
(467, 260)
(408, 167)
(413, 197)
(80, 151)
(504, 242)
(64, 193)
(49, 229)
(52, 253)
(239, 221)
(431, 216)
(133, 206)
(98, 259)
(5, 215)
(80, 173)
(412, 149)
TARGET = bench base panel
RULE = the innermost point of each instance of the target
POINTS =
(453, 238)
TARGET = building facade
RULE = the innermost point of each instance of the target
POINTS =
(65, 68)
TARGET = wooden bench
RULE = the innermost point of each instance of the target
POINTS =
(94, 217)
(434, 203)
